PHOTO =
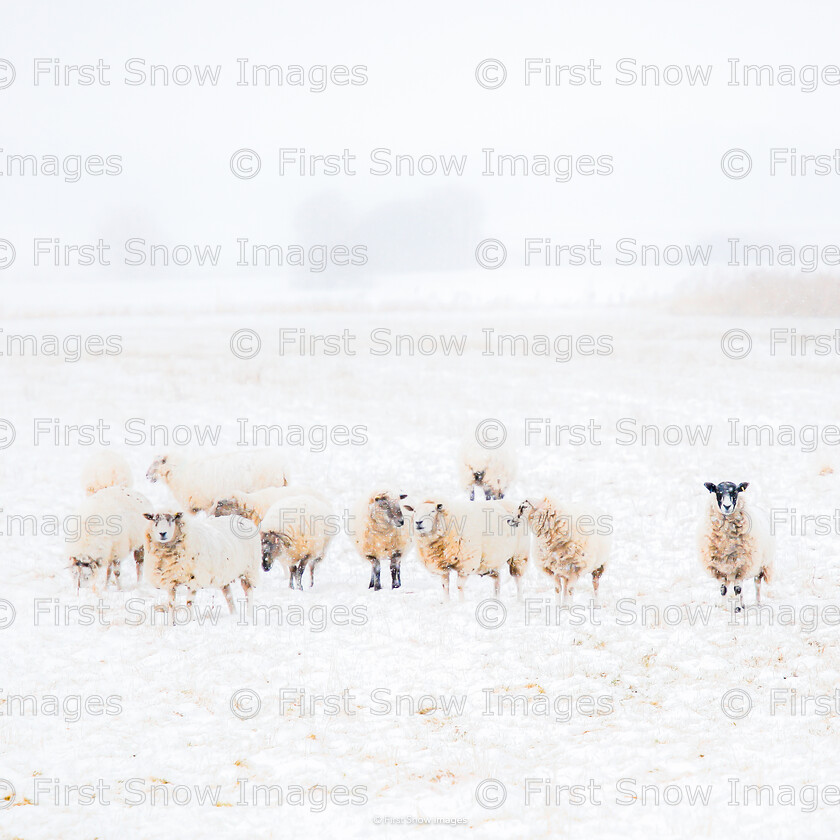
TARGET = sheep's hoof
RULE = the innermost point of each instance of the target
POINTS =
(395, 585)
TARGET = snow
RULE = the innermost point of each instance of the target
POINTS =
(392, 728)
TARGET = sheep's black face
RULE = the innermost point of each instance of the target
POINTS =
(726, 494)
(269, 547)
(165, 527)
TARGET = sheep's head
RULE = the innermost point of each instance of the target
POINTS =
(429, 519)
(273, 543)
(228, 507)
(385, 510)
(726, 495)
(165, 528)
(158, 469)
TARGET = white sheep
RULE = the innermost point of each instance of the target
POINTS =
(106, 469)
(297, 531)
(735, 540)
(490, 470)
(254, 506)
(197, 481)
(201, 554)
(570, 541)
(111, 526)
(448, 537)
(503, 542)
(381, 534)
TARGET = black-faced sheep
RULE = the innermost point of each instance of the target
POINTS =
(735, 540)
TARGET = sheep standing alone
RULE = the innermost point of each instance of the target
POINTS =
(254, 506)
(381, 534)
(111, 526)
(297, 531)
(106, 469)
(197, 481)
(201, 554)
(448, 537)
(569, 542)
(490, 470)
(735, 540)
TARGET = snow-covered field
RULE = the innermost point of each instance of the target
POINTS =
(373, 714)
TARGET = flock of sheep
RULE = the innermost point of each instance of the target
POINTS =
(238, 515)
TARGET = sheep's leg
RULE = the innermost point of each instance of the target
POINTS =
(172, 595)
(758, 579)
(312, 566)
(301, 567)
(139, 555)
(561, 587)
(292, 576)
(229, 598)
(447, 585)
(248, 589)
(596, 581)
(395, 570)
(375, 585)
(496, 584)
(461, 579)
(472, 494)
(78, 572)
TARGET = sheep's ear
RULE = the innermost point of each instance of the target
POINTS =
(439, 506)
(149, 516)
(403, 496)
(710, 487)
(179, 516)
(408, 507)
(743, 486)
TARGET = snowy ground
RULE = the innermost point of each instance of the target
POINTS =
(625, 702)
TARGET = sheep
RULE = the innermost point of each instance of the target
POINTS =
(380, 534)
(448, 538)
(254, 506)
(111, 526)
(197, 481)
(491, 470)
(297, 530)
(106, 469)
(201, 553)
(569, 541)
(735, 540)
(502, 542)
